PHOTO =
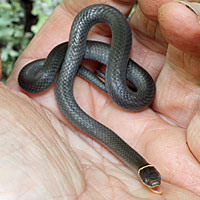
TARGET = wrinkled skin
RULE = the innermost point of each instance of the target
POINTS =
(45, 157)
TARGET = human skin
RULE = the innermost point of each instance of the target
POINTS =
(44, 157)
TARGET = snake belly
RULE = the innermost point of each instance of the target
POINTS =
(117, 56)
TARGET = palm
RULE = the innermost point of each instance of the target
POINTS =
(161, 138)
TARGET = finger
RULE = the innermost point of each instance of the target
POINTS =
(149, 45)
(150, 8)
(193, 135)
(176, 34)
(177, 85)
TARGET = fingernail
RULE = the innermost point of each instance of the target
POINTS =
(195, 7)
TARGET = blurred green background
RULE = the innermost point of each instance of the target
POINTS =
(19, 21)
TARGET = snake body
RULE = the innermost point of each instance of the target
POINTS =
(38, 75)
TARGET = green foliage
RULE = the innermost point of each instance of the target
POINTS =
(13, 40)
(133, 10)
(42, 9)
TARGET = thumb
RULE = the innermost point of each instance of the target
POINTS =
(178, 83)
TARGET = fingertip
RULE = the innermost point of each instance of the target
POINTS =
(180, 26)
(150, 8)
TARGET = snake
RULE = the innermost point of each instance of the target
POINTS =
(63, 64)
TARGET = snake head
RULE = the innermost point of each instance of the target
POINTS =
(151, 178)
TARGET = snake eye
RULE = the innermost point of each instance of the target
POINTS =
(150, 177)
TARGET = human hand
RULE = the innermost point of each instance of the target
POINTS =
(60, 164)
